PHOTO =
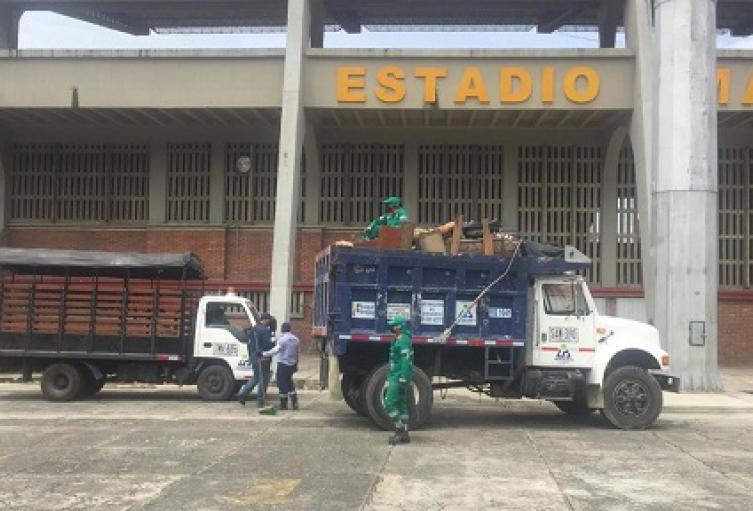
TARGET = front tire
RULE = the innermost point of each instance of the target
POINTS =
(216, 383)
(62, 382)
(632, 398)
(419, 408)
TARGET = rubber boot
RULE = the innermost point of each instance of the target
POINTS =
(294, 400)
(400, 437)
(283, 403)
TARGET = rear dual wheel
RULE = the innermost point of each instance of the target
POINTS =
(352, 386)
(62, 382)
(420, 398)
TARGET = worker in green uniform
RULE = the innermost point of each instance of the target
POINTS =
(396, 214)
(399, 380)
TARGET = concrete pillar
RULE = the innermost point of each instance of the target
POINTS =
(685, 234)
(217, 183)
(410, 180)
(291, 149)
(639, 37)
(9, 20)
(609, 18)
(158, 182)
(318, 14)
(313, 175)
(608, 227)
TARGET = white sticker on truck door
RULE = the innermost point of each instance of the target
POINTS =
(562, 334)
(363, 310)
(398, 309)
(432, 312)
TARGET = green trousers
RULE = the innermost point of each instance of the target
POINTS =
(396, 402)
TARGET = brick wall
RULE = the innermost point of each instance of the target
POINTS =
(735, 332)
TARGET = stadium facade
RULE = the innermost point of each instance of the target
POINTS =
(641, 156)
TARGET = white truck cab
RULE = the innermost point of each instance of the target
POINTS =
(621, 362)
(223, 324)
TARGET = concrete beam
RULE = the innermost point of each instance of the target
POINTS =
(610, 12)
(121, 22)
(346, 14)
(292, 127)
(685, 234)
(10, 16)
(556, 19)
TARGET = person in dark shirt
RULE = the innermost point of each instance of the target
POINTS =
(259, 341)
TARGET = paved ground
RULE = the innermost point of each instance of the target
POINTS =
(164, 449)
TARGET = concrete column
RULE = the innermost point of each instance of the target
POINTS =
(9, 20)
(685, 232)
(291, 148)
(318, 14)
(158, 182)
(313, 175)
(608, 228)
(639, 37)
(609, 18)
(510, 187)
(410, 180)
(217, 183)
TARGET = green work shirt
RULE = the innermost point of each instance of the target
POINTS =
(394, 219)
(401, 359)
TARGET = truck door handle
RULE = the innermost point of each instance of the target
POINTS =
(207, 344)
(543, 337)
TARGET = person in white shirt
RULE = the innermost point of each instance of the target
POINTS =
(286, 351)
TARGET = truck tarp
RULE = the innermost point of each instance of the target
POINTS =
(33, 261)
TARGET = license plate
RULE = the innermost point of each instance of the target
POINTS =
(225, 350)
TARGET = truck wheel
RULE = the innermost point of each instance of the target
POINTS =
(576, 407)
(632, 398)
(420, 400)
(354, 393)
(62, 382)
(216, 383)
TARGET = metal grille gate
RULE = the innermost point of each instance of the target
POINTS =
(459, 179)
(188, 178)
(735, 216)
(250, 198)
(629, 271)
(559, 198)
(355, 179)
(79, 183)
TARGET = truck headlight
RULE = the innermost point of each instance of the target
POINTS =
(665, 360)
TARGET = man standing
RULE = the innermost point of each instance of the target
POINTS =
(396, 215)
(399, 380)
(287, 364)
(259, 341)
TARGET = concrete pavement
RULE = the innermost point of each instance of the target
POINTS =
(163, 448)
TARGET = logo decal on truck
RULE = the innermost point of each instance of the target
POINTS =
(563, 355)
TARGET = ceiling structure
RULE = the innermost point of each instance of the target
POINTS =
(140, 17)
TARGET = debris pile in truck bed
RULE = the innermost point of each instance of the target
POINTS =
(481, 238)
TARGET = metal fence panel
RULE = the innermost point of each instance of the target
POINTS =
(188, 181)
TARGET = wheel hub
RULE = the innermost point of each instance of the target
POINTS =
(631, 397)
(60, 381)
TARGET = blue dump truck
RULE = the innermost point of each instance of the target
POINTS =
(510, 327)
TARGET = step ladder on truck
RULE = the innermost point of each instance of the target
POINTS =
(524, 325)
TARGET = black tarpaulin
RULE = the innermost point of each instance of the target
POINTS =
(30, 261)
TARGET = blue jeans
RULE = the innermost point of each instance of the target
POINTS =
(261, 367)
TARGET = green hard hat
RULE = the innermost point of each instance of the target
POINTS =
(393, 201)
(398, 321)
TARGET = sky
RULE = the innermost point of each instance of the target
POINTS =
(49, 30)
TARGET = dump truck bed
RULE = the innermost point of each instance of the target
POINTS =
(359, 290)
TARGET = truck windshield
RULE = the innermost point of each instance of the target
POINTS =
(564, 299)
